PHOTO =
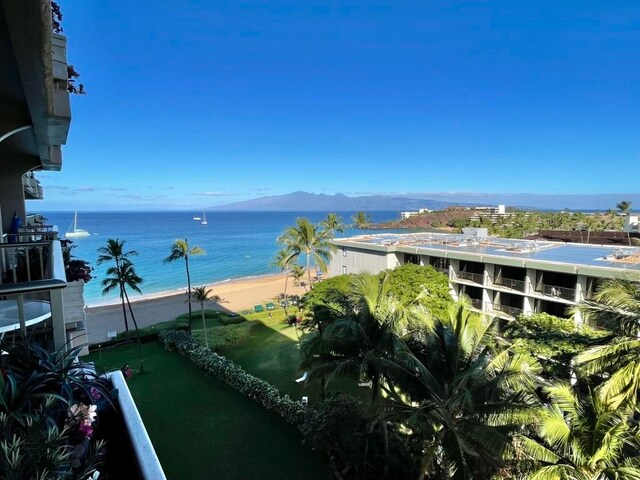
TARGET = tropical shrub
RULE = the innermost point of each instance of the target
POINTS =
(228, 372)
(553, 340)
(48, 414)
(408, 282)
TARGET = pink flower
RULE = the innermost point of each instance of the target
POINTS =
(95, 393)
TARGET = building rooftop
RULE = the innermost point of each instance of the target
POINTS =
(600, 256)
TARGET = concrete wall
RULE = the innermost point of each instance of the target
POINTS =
(352, 260)
(11, 196)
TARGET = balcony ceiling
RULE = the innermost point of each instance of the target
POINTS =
(26, 85)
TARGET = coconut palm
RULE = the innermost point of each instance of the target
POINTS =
(313, 241)
(297, 272)
(465, 404)
(283, 260)
(592, 222)
(366, 342)
(586, 439)
(121, 277)
(115, 252)
(616, 306)
(361, 220)
(201, 295)
(180, 250)
(333, 223)
(624, 207)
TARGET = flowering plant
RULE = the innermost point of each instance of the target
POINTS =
(80, 418)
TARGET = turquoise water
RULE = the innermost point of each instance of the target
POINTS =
(237, 244)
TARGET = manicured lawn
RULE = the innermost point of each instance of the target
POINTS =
(271, 352)
(202, 428)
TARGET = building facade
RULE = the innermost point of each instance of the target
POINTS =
(501, 277)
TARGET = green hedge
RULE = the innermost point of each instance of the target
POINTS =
(234, 376)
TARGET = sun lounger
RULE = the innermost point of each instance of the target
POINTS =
(258, 308)
(270, 306)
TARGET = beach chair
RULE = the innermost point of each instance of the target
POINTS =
(271, 306)
(258, 308)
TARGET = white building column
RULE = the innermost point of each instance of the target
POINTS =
(581, 292)
(528, 306)
(454, 266)
(57, 319)
(487, 295)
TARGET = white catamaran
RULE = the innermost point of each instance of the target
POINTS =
(204, 218)
(76, 232)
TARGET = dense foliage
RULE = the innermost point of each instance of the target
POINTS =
(49, 409)
(544, 398)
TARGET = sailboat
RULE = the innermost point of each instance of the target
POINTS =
(204, 218)
(76, 232)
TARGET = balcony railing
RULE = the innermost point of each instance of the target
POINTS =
(471, 277)
(476, 303)
(31, 272)
(444, 270)
(557, 292)
(511, 311)
(509, 283)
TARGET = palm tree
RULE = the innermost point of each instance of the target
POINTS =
(180, 250)
(592, 222)
(366, 342)
(114, 251)
(616, 306)
(283, 261)
(121, 277)
(361, 220)
(624, 207)
(313, 241)
(333, 223)
(466, 404)
(586, 439)
(297, 272)
(201, 295)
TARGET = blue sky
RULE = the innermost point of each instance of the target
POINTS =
(192, 104)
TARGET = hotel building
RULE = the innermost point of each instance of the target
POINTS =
(502, 277)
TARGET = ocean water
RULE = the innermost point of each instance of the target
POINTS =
(237, 244)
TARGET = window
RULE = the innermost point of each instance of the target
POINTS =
(344, 252)
(344, 269)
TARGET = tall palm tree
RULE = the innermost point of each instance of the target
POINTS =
(201, 295)
(624, 207)
(466, 404)
(313, 241)
(121, 277)
(586, 439)
(180, 250)
(616, 306)
(361, 220)
(333, 223)
(115, 252)
(283, 260)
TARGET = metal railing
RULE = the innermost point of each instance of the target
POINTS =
(23, 262)
(512, 311)
(471, 277)
(476, 303)
(557, 292)
(509, 283)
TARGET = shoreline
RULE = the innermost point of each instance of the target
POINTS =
(182, 289)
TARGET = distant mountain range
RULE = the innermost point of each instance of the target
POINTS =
(311, 202)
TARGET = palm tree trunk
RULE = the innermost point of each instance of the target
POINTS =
(286, 303)
(186, 262)
(135, 325)
(309, 267)
(629, 229)
(204, 326)
(124, 311)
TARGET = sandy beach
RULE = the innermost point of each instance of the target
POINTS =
(237, 295)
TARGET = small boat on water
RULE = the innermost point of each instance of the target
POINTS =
(197, 218)
(76, 232)
(204, 219)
